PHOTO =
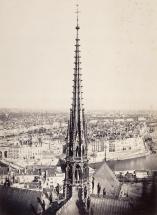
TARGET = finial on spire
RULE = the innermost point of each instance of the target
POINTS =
(77, 12)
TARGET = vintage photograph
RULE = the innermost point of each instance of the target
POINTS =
(78, 107)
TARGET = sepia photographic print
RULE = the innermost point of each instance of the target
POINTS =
(78, 107)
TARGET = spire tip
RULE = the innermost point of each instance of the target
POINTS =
(77, 12)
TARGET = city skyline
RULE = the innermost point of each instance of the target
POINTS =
(118, 54)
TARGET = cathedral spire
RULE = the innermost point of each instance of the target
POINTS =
(77, 100)
(77, 174)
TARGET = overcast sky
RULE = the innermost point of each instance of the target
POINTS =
(118, 49)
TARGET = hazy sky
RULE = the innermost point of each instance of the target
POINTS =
(119, 53)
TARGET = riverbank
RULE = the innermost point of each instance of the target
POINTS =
(132, 156)
(148, 162)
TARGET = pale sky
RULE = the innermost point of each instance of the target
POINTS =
(118, 49)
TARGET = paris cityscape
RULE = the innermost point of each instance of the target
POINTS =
(92, 161)
(33, 149)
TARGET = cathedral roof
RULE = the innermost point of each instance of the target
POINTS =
(109, 206)
(99, 206)
(70, 208)
(105, 176)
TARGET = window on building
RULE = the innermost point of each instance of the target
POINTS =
(111, 147)
(5, 154)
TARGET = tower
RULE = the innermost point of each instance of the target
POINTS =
(77, 171)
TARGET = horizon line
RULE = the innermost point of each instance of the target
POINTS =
(67, 110)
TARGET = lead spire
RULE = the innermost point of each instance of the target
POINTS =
(77, 100)
(77, 172)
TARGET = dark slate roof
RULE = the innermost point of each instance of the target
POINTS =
(109, 206)
(15, 201)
